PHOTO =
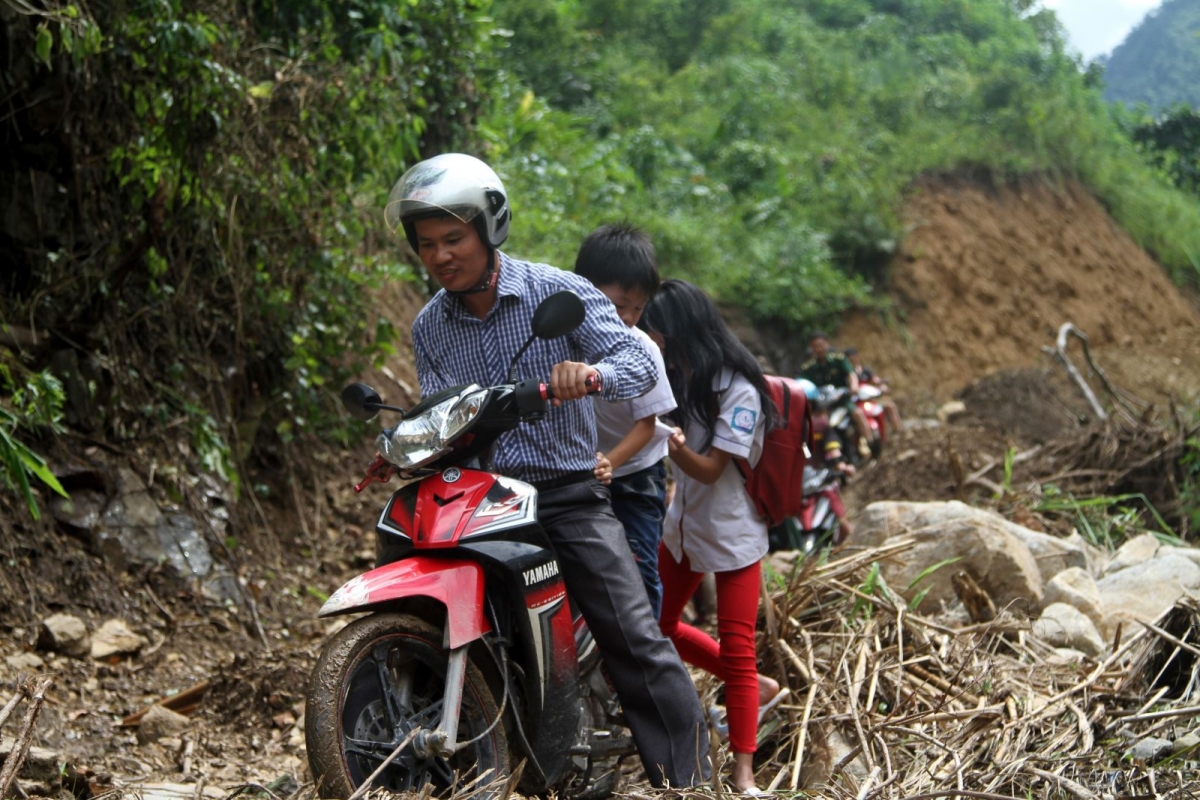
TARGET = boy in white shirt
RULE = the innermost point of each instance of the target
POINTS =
(619, 260)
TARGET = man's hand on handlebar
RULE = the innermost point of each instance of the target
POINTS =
(569, 381)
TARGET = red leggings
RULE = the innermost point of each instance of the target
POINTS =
(733, 661)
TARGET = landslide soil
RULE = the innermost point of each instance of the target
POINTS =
(988, 274)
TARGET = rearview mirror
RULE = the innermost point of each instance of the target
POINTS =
(558, 315)
(361, 401)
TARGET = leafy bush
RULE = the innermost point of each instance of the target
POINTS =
(30, 402)
(208, 231)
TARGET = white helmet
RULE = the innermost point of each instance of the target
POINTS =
(456, 184)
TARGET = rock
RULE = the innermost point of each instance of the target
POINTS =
(128, 529)
(24, 661)
(1075, 586)
(114, 637)
(81, 511)
(983, 543)
(1186, 744)
(951, 411)
(42, 765)
(63, 633)
(1063, 625)
(160, 723)
(1065, 655)
(1143, 592)
(1149, 750)
(1135, 551)
(1054, 554)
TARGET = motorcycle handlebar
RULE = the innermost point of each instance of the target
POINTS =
(593, 383)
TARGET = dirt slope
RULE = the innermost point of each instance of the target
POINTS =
(988, 274)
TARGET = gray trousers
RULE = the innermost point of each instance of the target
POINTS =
(655, 690)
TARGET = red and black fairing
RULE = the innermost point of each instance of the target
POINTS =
(492, 520)
(457, 503)
(816, 511)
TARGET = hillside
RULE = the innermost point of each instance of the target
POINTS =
(1159, 61)
(987, 275)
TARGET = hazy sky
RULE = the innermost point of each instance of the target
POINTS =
(1095, 27)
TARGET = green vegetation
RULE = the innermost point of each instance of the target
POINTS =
(196, 222)
(1159, 62)
(768, 145)
(194, 201)
(31, 401)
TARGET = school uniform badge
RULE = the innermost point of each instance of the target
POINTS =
(743, 419)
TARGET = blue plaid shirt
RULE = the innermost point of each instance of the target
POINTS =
(453, 347)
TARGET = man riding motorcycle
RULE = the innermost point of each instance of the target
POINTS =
(833, 369)
(454, 212)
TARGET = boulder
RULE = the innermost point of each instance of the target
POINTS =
(1065, 626)
(1134, 551)
(983, 543)
(1076, 587)
(160, 723)
(115, 637)
(127, 528)
(1053, 554)
(1145, 591)
(63, 633)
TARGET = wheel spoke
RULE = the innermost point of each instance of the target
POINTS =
(389, 675)
(377, 751)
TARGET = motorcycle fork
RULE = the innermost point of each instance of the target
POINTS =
(442, 741)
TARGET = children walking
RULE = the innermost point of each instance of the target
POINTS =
(619, 260)
(712, 525)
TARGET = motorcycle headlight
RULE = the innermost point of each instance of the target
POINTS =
(418, 440)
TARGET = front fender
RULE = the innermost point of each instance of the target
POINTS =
(456, 584)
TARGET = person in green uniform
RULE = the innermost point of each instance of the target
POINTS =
(826, 368)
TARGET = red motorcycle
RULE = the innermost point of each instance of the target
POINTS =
(470, 657)
(867, 400)
(821, 512)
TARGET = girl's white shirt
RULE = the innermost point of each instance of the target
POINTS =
(716, 524)
(614, 420)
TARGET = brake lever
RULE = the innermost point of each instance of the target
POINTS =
(380, 470)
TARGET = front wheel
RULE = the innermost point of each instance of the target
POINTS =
(377, 680)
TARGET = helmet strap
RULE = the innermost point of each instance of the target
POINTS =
(489, 280)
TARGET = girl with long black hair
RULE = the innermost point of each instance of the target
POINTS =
(712, 525)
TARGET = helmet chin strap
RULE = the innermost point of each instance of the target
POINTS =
(489, 280)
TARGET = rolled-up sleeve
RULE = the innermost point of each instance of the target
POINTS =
(625, 367)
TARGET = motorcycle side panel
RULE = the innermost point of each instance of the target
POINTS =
(545, 628)
(456, 584)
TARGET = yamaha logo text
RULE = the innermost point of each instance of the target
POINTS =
(542, 573)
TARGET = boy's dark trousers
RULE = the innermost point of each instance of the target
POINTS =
(656, 692)
(640, 501)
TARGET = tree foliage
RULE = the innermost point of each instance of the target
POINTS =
(768, 144)
(193, 198)
(1158, 64)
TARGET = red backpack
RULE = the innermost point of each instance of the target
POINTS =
(774, 485)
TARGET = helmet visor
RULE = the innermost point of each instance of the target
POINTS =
(417, 194)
